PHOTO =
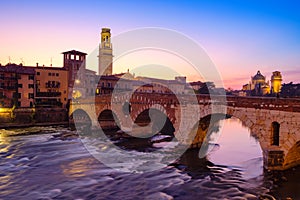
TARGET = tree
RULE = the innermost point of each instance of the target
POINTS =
(208, 88)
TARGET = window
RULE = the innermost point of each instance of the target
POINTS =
(53, 74)
(20, 85)
(48, 84)
(30, 95)
(275, 133)
(2, 76)
(30, 77)
(38, 73)
(57, 74)
(49, 74)
(38, 82)
(30, 86)
(19, 104)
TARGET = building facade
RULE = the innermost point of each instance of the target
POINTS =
(16, 86)
(258, 86)
(51, 87)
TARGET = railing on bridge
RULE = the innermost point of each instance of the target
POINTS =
(283, 104)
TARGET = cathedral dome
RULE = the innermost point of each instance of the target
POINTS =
(258, 77)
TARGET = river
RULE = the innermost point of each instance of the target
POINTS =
(39, 164)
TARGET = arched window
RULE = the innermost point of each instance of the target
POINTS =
(275, 133)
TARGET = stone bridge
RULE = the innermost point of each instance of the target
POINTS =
(274, 122)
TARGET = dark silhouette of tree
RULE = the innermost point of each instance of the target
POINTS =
(208, 88)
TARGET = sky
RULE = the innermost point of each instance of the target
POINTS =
(240, 37)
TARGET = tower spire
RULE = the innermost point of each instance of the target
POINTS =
(105, 53)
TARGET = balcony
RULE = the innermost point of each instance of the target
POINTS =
(48, 94)
(48, 104)
(7, 78)
(52, 85)
(8, 87)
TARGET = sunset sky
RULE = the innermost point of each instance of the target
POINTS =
(240, 37)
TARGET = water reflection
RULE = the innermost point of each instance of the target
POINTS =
(238, 149)
(77, 168)
(4, 141)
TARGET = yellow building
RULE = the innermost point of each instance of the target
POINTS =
(51, 87)
(276, 80)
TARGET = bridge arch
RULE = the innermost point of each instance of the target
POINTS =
(79, 118)
(161, 121)
(159, 107)
(108, 119)
(207, 113)
(292, 157)
(246, 121)
(210, 130)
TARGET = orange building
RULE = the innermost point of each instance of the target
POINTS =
(16, 86)
(51, 88)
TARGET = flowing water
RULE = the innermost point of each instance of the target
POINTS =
(41, 165)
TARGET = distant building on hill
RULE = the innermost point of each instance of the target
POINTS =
(258, 86)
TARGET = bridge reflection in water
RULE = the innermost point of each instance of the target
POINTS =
(273, 122)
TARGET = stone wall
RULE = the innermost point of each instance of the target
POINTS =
(32, 116)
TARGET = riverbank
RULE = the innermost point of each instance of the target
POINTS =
(28, 117)
(16, 125)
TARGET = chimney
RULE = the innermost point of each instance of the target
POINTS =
(37, 64)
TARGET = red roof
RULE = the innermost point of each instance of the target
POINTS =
(74, 52)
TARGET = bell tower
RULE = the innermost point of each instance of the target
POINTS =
(276, 80)
(105, 53)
